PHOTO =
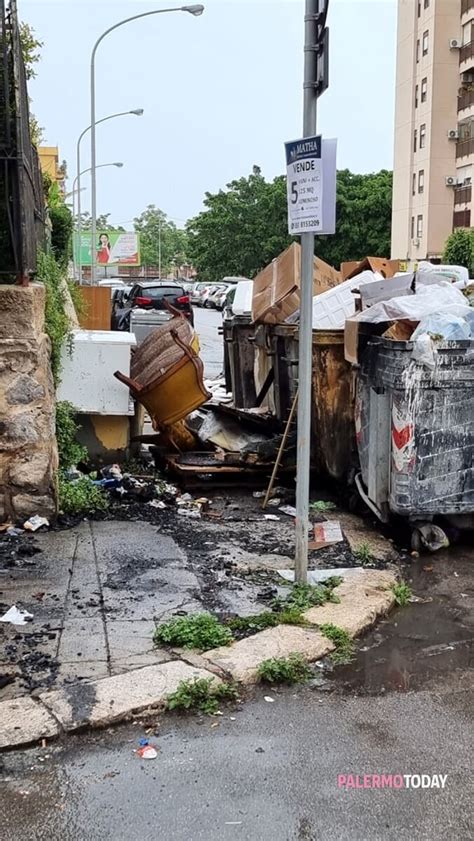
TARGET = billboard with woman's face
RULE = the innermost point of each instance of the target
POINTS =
(112, 248)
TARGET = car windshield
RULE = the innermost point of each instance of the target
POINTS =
(158, 292)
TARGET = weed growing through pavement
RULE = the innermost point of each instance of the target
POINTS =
(321, 506)
(364, 555)
(81, 496)
(202, 695)
(201, 631)
(304, 596)
(344, 646)
(402, 593)
(291, 669)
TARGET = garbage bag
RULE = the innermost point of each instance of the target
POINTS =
(444, 297)
(449, 327)
(453, 273)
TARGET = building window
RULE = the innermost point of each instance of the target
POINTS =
(413, 186)
(414, 140)
(418, 47)
(421, 180)
(424, 89)
(419, 227)
(416, 96)
(426, 36)
(419, 8)
(423, 136)
(412, 227)
(427, 4)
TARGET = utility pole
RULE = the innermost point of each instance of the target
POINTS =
(315, 41)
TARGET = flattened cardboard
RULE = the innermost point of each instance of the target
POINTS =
(387, 268)
(276, 288)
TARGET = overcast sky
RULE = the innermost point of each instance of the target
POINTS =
(221, 93)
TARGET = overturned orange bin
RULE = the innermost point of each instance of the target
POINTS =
(166, 373)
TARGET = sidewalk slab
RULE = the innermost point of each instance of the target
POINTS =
(23, 720)
(101, 702)
(242, 659)
(365, 595)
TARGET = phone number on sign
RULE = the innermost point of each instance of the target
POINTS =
(306, 223)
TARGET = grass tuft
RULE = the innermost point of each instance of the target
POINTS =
(321, 506)
(201, 631)
(291, 669)
(364, 555)
(344, 646)
(402, 593)
(202, 695)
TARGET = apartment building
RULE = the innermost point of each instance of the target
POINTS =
(434, 125)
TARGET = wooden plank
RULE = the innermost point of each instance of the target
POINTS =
(97, 308)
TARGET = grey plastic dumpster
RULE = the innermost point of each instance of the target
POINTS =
(414, 431)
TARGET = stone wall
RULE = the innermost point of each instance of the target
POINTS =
(28, 452)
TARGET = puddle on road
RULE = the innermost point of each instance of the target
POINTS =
(421, 642)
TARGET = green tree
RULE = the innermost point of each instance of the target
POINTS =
(103, 223)
(31, 50)
(459, 249)
(241, 229)
(153, 226)
(61, 221)
(245, 226)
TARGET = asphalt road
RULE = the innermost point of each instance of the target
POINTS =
(207, 323)
(268, 772)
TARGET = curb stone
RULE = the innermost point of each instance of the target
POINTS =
(364, 597)
(110, 699)
(23, 720)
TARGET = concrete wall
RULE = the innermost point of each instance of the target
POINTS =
(28, 453)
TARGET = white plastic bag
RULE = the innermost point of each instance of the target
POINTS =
(450, 327)
(424, 351)
(459, 273)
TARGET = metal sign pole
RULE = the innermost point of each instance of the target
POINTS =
(306, 312)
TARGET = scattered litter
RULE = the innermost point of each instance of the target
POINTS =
(432, 537)
(258, 494)
(272, 517)
(456, 574)
(35, 523)
(5, 526)
(325, 534)
(274, 503)
(191, 513)
(147, 752)
(14, 532)
(157, 503)
(315, 576)
(268, 699)
(233, 718)
(233, 823)
(216, 724)
(288, 509)
(15, 616)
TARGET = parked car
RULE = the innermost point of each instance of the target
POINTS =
(151, 295)
(197, 292)
(213, 296)
(119, 304)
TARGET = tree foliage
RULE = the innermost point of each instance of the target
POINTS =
(241, 229)
(459, 249)
(31, 51)
(152, 224)
(103, 223)
(245, 226)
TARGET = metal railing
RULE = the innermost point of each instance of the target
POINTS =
(22, 211)
(462, 219)
(462, 195)
(465, 99)
(466, 52)
(465, 147)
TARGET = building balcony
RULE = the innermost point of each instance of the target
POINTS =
(462, 219)
(466, 6)
(465, 147)
(465, 99)
(466, 57)
(462, 195)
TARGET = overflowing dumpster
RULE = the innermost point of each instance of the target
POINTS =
(414, 430)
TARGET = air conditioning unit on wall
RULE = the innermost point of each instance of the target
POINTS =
(451, 180)
(455, 44)
(453, 134)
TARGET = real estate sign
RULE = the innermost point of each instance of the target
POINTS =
(112, 248)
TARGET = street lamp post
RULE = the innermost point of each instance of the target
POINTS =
(76, 188)
(195, 10)
(138, 112)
